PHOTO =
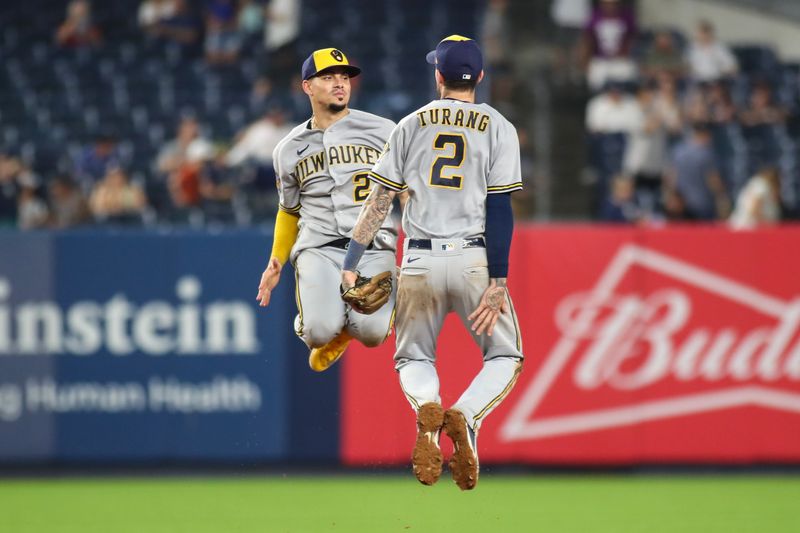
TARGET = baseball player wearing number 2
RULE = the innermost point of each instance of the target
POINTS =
(459, 161)
(321, 168)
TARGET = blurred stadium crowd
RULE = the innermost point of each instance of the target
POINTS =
(688, 128)
(166, 112)
(142, 112)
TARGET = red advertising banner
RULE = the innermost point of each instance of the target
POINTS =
(674, 345)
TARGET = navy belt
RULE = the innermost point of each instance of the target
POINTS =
(425, 244)
(344, 243)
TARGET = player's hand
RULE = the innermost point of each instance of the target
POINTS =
(493, 302)
(269, 279)
(349, 279)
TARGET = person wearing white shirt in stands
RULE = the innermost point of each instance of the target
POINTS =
(759, 201)
(709, 59)
(259, 140)
(612, 111)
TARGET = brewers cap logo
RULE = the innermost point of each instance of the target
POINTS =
(325, 58)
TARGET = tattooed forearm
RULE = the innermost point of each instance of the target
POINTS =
(374, 212)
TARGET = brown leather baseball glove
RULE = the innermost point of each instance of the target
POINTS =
(369, 294)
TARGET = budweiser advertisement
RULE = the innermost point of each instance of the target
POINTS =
(671, 345)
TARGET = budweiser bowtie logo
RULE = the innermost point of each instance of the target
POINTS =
(697, 342)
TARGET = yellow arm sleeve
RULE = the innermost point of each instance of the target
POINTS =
(285, 235)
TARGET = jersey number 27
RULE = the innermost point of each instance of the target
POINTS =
(361, 186)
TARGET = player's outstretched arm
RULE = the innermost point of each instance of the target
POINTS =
(373, 213)
(494, 302)
(269, 279)
(286, 229)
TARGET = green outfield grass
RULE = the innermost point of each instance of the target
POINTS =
(547, 504)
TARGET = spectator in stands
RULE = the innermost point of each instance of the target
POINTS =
(502, 88)
(78, 30)
(251, 17)
(709, 59)
(495, 34)
(663, 56)
(262, 95)
(252, 156)
(10, 168)
(644, 161)
(280, 37)
(571, 14)
(668, 105)
(696, 178)
(259, 140)
(611, 111)
(116, 199)
(200, 181)
(762, 109)
(710, 102)
(297, 102)
(68, 207)
(175, 153)
(759, 201)
(182, 161)
(696, 105)
(521, 202)
(184, 185)
(223, 41)
(31, 209)
(570, 18)
(181, 28)
(94, 161)
(155, 12)
(721, 109)
(621, 206)
(674, 206)
(216, 189)
(608, 41)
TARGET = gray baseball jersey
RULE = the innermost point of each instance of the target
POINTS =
(449, 155)
(323, 176)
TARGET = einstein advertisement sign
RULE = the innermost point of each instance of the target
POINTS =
(153, 345)
(177, 324)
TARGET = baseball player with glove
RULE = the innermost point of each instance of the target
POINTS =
(322, 170)
(459, 162)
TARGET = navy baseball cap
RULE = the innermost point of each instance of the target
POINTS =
(326, 58)
(457, 58)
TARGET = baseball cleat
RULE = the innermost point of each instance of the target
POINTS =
(427, 456)
(464, 463)
(323, 357)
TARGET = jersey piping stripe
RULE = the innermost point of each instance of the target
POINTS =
(504, 188)
(410, 398)
(387, 182)
(299, 330)
(290, 209)
(497, 399)
(391, 320)
(516, 324)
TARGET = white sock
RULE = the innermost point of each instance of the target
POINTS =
(488, 389)
(420, 382)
